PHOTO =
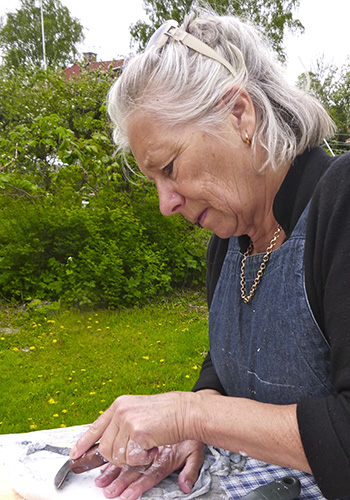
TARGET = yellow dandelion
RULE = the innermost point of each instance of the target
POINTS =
(30, 418)
(54, 341)
(73, 371)
(33, 427)
(32, 348)
(83, 370)
(52, 401)
(92, 393)
(100, 412)
(63, 425)
(96, 321)
(99, 330)
(145, 357)
(2, 338)
(187, 376)
(158, 341)
(89, 326)
(40, 376)
(195, 367)
(15, 349)
(61, 326)
(107, 327)
(55, 415)
(161, 360)
(64, 411)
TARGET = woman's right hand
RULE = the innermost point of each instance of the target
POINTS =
(130, 482)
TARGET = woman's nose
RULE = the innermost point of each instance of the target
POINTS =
(170, 201)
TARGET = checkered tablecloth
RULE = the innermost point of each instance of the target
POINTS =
(255, 473)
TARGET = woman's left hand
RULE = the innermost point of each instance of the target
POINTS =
(131, 482)
(133, 427)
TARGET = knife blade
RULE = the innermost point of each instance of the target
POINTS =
(89, 460)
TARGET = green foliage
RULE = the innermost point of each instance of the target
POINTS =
(72, 227)
(331, 85)
(21, 36)
(273, 16)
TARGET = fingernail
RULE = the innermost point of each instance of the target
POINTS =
(73, 452)
(189, 485)
(126, 494)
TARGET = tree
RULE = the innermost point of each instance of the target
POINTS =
(72, 227)
(273, 16)
(331, 85)
(21, 35)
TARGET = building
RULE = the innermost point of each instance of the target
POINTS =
(90, 63)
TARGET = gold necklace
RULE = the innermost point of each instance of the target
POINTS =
(266, 257)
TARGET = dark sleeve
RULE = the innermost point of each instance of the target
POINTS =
(325, 423)
(216, 252)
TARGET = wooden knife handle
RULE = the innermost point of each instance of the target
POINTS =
(89, 460)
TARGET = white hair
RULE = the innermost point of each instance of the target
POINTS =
(178, 86)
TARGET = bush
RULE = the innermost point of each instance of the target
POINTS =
(73, 229)
(108, 252)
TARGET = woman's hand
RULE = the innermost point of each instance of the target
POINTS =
(130, 482)
(133, 427)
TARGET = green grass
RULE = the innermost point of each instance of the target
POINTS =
(63, 368)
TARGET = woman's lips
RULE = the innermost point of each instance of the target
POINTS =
(202, 217)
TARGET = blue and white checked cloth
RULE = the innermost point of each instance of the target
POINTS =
(243, 474)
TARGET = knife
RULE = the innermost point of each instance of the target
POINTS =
(286, 488)
(89, 460)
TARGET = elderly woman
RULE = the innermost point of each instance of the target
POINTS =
(233, 147)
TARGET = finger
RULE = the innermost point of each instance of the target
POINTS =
(124, 483)
(190, 472)
(108, 474)
(137, 455)
(147, 478)
(92, 435)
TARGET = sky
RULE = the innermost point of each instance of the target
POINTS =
(107, 23)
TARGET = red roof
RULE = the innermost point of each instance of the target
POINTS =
(76, 69)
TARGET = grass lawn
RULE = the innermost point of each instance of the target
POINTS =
(61, 368)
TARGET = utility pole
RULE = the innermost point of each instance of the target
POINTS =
(43, 33)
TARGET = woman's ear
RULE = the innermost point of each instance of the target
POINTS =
(242, 110)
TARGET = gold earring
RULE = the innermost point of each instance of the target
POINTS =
(247, 140)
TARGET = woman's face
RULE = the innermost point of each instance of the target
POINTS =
(208, 179)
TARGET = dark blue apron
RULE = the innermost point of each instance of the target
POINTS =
(270, 349)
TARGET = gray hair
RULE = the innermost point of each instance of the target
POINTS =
(178, 86)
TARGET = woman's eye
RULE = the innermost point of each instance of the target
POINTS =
(168, 170)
